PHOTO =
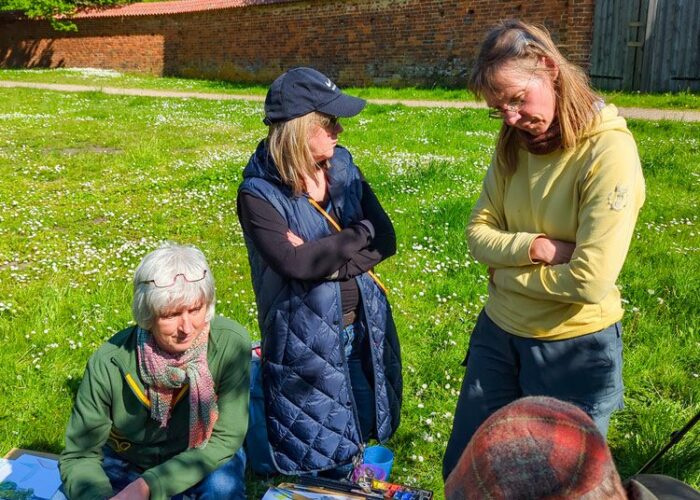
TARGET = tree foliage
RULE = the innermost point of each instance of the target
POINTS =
(58, 12)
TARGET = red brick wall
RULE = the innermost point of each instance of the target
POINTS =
(380, 42)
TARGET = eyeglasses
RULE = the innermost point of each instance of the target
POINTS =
(514, 105)
(184, 277)
(329, 121)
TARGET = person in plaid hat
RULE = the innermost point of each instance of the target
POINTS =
(536, 447)
(542, 448)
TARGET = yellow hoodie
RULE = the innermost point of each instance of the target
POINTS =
(590, 195)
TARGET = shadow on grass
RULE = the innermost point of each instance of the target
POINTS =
(73, 384)
(677, 462)
(41, 445)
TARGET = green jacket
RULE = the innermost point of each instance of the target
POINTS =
(112, 408)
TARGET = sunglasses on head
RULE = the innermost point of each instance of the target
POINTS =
(168, 285)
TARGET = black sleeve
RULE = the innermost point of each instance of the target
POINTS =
(382, 246)
(313, 260)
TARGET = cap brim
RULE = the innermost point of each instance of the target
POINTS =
(344, 105)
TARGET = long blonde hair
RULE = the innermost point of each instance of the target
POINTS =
(288, 145)
(527, 44)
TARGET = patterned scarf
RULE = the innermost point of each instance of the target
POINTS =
(545, 143)
(163, 372)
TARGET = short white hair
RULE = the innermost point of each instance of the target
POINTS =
(170, 277)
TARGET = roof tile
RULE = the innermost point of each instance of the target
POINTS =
(172, 7)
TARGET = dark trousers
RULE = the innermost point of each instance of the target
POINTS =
(585, 371)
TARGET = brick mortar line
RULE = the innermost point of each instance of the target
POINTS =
(635, 113)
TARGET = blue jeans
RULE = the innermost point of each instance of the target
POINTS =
(585, 371)
(228, 481)
(354, 338)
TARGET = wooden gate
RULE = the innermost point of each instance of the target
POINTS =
(646, 45)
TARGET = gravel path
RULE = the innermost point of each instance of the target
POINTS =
(636, 113)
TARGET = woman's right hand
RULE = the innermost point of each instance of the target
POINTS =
(550, 251)
(136, 490)
(294, 239)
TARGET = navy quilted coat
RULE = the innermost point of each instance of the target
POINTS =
(312, 421)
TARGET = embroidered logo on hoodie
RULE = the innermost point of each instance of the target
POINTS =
(619, 198)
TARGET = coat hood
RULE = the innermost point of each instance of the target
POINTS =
(261, 165)
(607, 119)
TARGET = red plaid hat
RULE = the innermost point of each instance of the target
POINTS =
(536, 448)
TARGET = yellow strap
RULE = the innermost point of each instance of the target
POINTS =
(144, 399)
(181, 393)
(137, 391)
(338, 228)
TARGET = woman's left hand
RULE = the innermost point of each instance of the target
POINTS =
(294, 239)
(136, 490)
(550, 251)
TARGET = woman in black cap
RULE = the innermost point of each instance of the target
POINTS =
(314, 230)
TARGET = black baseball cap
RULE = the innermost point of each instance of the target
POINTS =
(302, 90)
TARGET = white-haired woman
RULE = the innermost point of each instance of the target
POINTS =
(163, 406)
(553, 223)
(314, 230)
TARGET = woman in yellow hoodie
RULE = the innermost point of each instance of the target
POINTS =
(553, 224)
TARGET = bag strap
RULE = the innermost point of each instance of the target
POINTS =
(338, 228)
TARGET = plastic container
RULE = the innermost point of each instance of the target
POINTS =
(381, 457)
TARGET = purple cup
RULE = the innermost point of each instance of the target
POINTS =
(376, 472)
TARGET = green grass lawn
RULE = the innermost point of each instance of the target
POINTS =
(91, 183)
(109, 78)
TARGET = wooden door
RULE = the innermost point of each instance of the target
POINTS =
(646, 45)
(618, 43)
